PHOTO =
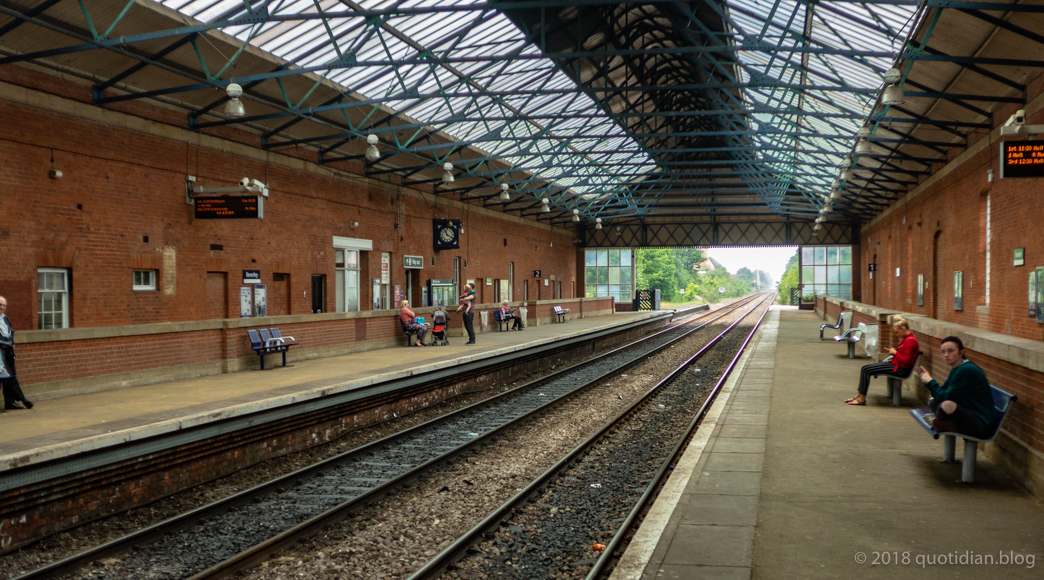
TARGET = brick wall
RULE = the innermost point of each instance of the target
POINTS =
(121, 205)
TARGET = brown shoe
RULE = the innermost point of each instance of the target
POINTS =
(944, 426)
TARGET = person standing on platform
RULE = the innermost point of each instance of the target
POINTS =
(964, 403)
(467, 306)
(8, 377)
(903, 359)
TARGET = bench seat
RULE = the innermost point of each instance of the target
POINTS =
(560, 313)
(502, 323)
(263, 342)
(842, 320)
(852, 336)
(1002, 401)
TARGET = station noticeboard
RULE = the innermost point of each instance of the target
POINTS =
(229, 207)
(1022, 159)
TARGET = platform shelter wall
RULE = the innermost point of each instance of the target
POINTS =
(120, 205)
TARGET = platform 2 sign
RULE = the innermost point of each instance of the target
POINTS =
(1022, 159)
(229, 207)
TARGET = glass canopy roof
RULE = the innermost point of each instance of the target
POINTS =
(794, 81)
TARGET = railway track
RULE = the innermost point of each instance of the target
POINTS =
(276, 514)
(574, 520)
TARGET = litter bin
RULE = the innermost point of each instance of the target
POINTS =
(484, 317)
(522, 311)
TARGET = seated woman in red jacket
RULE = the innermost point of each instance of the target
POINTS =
(903, 359)
(410, 324)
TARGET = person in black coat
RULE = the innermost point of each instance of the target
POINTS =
(12, 392)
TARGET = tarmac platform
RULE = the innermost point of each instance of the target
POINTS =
(789, 482)
(62, 427)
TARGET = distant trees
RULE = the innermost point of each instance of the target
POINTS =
(656, 268)
(790, 280)
(673, 271)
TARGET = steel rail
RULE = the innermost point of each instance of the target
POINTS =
(437, 565)
(183, 521)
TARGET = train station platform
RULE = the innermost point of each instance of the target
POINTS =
(785, 481)
(62, 427)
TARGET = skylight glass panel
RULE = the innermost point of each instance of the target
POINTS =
(469, 38)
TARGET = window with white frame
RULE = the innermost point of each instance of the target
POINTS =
(52, 287)
(144, 280)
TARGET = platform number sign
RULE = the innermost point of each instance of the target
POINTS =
(721, 290)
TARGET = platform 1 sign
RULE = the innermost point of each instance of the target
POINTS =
(229, 207)
(1022, 159)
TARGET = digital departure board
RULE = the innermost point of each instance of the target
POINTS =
(229, 207)
(1022, 159)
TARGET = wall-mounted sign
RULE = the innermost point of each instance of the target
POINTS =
(1022, 159)
(1020, 256)
(536, 273)
(229, 207)
(260, 300)
(385, 268)
(413, 262)
(246, 309)
(871, 267)
(251, 276)
(489, 281)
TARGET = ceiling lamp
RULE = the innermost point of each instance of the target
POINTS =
(847, 175)
(576, 215)
(598, 223)
(372, 154)
(846, 163)
(862, 147)
(829, 207)
(863, 132)
(505, 195)
(892, 76)
(835, 194)
(545, 207)
(447, 177)
(836, 183)
(893, 95)
(234, 107)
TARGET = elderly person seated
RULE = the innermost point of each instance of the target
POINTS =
(509, 314)
(410, 324)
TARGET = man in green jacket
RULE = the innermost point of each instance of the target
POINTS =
(964, 403)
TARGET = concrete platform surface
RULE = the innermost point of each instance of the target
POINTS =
(788, 482)
(61, 427)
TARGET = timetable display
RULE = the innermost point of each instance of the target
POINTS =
(1022, 159)
(229, 207)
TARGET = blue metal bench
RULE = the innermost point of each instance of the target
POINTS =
(852, 336)
(560, 312)
(841, 319)
(1001, 403)
(895, 380)
(502, 323)
(263, 343)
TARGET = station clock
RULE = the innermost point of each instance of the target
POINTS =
(445, 234)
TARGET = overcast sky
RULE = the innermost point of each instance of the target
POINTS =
(772, 260)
